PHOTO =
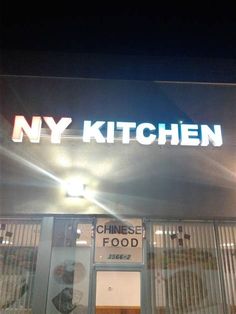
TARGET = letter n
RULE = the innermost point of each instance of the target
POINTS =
(21, 126)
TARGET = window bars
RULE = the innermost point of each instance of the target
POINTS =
(184, 269)
(19, 241)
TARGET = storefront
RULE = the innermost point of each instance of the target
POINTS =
(117, 196)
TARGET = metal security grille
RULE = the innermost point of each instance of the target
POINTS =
(227, 243)
(18, 254)
(184, 270)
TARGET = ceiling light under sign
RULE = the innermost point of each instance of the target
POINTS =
(75, 188)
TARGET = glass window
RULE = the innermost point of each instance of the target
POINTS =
(227, 239)
(68, 287)
(18, 255)
(184, 271)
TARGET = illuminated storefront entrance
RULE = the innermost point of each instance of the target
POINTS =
(117, 196)
(60, 265)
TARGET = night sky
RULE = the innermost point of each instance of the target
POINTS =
(132, 30)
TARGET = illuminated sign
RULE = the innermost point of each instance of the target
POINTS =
(106, 132)
(33, 132)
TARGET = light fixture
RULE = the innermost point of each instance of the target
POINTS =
(228, 244)
(63, 162)
(161, 232)
(74, 188)
(81, 242)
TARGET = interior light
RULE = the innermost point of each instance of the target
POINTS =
(81, 242)
(228, 244)
(161, 232)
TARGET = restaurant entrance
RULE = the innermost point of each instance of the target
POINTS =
(102, 265)
(118, 292)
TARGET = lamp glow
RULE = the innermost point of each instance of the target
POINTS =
(74, 188)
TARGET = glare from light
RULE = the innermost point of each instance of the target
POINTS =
(63, 162)
(103, 169)
(78, 231)
(29, 164)
(101, 205)
(74, 188)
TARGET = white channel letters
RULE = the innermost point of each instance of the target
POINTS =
(107, 132)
